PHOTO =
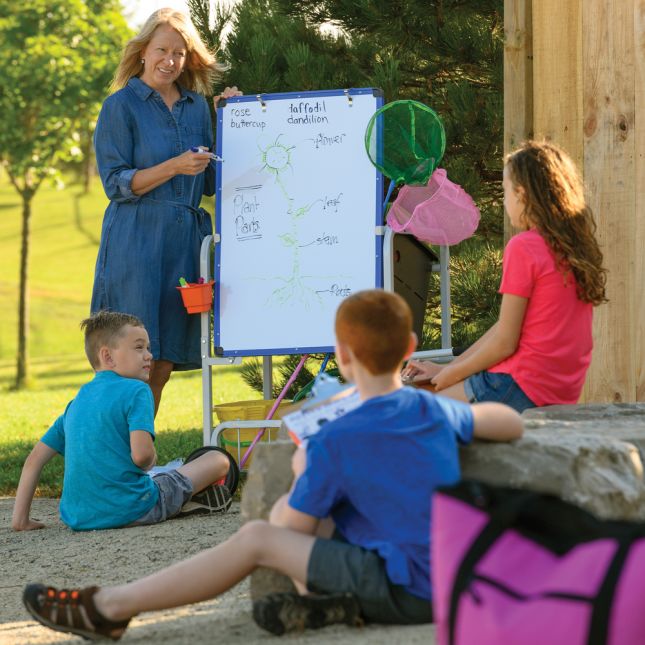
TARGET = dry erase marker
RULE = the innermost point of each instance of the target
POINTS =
(213, 157)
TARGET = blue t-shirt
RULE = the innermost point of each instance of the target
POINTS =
(102, 486)
(374, 471)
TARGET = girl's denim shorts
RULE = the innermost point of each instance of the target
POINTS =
(493, 386)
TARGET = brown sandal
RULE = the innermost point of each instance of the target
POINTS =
(71, 611)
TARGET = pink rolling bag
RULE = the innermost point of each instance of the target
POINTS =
(513, 567)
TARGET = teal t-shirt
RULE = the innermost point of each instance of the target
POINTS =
(102, 486)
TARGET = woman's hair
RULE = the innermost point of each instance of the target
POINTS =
(555, 205)
(200, 69)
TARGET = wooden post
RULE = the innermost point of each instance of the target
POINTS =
(588, 89)
(609, 172)
(518, 80)
(638, 311)
(557, 73)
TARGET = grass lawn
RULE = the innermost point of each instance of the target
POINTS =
(65, 234)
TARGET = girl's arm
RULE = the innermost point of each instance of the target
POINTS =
(477, 345)
(498, 343)
(426, 371)
(29, 478)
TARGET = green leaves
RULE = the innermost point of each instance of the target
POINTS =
(62, 56)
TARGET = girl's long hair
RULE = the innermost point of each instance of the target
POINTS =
(200, 69)
(555, 205)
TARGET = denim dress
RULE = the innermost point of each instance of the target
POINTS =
(148, 242)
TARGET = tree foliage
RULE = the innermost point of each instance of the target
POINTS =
(447, 54)
(62, 57)
(59, 58)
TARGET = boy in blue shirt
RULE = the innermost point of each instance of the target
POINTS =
(106, 436)
(355, 526)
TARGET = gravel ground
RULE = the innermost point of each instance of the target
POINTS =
(58, 556)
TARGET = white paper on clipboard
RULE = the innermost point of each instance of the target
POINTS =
(305, 422)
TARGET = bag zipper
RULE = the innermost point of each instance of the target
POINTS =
(516, 595)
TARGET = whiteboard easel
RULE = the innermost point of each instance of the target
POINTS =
(265, 177)
(298, 216)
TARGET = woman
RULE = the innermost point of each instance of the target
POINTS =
(153, 226)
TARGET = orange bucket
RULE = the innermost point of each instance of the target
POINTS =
(197, 297)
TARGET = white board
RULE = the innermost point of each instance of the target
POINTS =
(298, 205)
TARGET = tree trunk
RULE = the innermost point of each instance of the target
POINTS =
(22, 361)
(88, 163)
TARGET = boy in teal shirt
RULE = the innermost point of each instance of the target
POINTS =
(106, 435)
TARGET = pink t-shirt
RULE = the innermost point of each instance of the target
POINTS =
(554, 349)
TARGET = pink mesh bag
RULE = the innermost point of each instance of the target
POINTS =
(440, 213)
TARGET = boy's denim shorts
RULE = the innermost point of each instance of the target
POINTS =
(494, 386)
(175, 490)
(335, 566)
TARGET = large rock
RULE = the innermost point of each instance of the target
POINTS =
(589, 455)
(270, 477)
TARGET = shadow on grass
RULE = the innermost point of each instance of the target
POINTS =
(48, 374)
(170, 444)
(12, 457)
(40, 383)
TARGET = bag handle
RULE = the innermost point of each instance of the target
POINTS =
(501, 518)
(601, 606)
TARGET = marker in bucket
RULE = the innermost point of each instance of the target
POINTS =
(182, 282)
(214, 157)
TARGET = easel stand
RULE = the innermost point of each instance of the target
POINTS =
(210, 435)
(208, 359)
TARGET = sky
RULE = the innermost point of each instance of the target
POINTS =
(136, 11)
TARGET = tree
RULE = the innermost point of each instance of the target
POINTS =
(447, 54)
(59, 59)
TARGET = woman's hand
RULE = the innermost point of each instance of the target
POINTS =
(192, 163)
(226, 94)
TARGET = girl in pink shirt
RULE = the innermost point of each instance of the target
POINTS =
(539, 350)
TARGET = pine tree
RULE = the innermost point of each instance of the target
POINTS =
(447, 54)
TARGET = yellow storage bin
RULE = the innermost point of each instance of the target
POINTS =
(237, 440)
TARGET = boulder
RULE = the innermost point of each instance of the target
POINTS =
(590, 455)
(269, 477)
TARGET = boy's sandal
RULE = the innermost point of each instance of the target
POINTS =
(71, 611)
(232, 477)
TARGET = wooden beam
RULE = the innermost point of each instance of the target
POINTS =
(609, 172)
(557, 73)
(518, 80)
(639, 199)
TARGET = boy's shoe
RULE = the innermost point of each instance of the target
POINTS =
(214, 499)
(286, 612)
(71, 611)
(232, 477)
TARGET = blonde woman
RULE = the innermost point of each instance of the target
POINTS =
(153, 140)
